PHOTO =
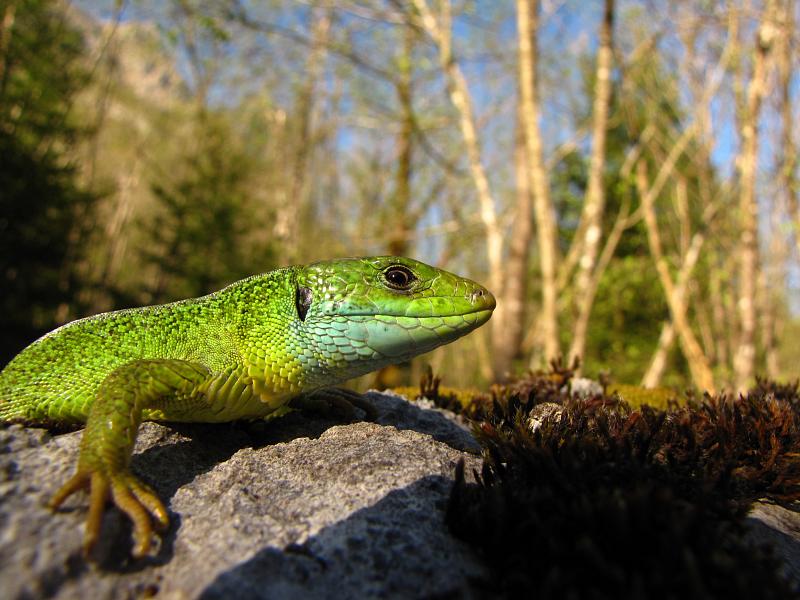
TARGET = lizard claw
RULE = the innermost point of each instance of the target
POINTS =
(79, 481)
(130, 495)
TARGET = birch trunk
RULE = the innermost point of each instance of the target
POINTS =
(716, 291)
(658, 363)
(594, 204)
(287, 219)
(765, 303)
(440, 32)
(507, 333)
(527, 30)
(744, 361)
(788, 148)
(675, 294)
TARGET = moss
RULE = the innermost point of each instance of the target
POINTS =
(460, 401)
(535, 388)
(660, 397)
(607, 501)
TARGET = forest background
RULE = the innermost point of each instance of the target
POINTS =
(623, 175)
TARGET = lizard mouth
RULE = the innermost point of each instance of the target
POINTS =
(425, 316)
(440, 307)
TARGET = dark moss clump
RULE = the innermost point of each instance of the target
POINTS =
(536, 387)
(788, 392)
(603, 501)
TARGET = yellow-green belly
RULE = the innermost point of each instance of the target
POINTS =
(226, 396)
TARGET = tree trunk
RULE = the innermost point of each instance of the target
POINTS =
(675, 294)
(399, 228)
(441, 34)
(766, 306)
(744, 361)
(287, 219)
(401, 223)
(507, 332)
(658, 363)
(594, 204)
(527, 31)
(721, 326)
(788, 150)
(703, 319)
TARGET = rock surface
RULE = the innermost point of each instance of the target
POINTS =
(780, 528)
(301, 507)
(296, 508)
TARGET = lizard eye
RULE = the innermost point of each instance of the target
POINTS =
(302, 301)
(399, 277)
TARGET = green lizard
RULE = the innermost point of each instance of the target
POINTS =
(240, 353)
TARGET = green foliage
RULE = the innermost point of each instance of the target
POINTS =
(42, 208)
(629, 309)
(630, 305)
(41, 72)
(205, 231)
(568, 180)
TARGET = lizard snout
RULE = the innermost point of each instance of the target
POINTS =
(482, 298)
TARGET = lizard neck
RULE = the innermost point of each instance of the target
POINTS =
(261, 315)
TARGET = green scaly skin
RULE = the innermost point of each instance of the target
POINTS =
(240, 353)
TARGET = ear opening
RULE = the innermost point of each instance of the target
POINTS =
(302, 301)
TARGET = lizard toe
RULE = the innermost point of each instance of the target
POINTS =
(80, 481)
(98, 496)
(150, 500)
(127, 502)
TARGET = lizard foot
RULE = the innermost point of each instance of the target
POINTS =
(336, 401)
(130, 495)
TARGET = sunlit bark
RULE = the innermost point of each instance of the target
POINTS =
(744, 361)
(289, 212)
(594, 204)
(507, 333)
(675, 293)
(439, 30)
(527, 33)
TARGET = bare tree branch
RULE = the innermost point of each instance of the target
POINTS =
(439, 30)
(675, 293)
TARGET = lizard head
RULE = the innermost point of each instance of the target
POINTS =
(359, 314)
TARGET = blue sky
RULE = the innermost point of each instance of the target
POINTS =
(485, 42)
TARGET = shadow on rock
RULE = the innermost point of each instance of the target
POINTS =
(396, 548)
(396, 411)
(780, 528)
(169, 465)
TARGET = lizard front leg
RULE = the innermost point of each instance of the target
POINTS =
(107, 444)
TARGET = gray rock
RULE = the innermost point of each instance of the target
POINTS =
(780, 528)
(424, 415)
(296, 508)
(541, 412)
(583, 387)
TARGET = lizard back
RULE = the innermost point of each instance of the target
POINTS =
(54, 380)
